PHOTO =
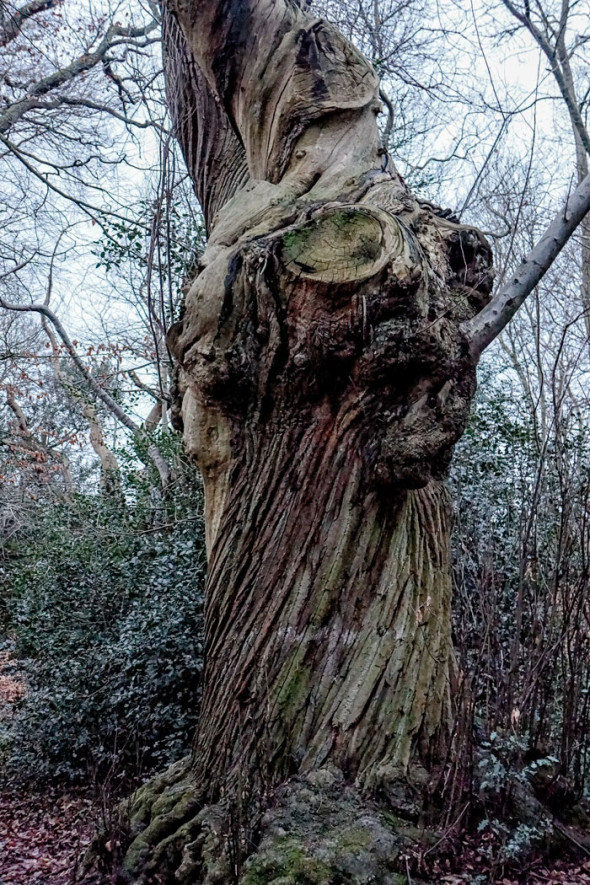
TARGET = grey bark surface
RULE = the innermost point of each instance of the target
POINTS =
(325, 376)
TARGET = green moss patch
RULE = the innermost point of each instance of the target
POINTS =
(286, 862)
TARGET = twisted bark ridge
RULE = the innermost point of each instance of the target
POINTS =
(325, 381)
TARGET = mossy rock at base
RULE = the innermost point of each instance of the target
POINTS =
(320, 830)
(285, 862)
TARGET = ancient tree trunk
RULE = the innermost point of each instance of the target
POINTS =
(325, 382)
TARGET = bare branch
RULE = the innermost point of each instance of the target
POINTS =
(12, 26)
(562, 74)
(85, 62)
(387, 132)
(138, 432)
(93, 212)
(20, 415)
(488, 324)
(95, 106)
(146, 388)
(108, 460)
(103, 395)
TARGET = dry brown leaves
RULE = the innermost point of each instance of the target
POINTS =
(12, 689)
(474, 859)
(558, 873)
(563, 874)
(42, 837)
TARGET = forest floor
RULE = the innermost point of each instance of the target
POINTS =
(43, 837)
(42, 834)
(45, 834)
(564, 872)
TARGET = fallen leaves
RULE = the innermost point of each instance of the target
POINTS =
(42, 837)
(563, 873)
(12, 688)
(467, 864)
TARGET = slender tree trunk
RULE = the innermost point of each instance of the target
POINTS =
(581, 141)
(110, 478)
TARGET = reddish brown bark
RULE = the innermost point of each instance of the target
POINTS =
(325, 382)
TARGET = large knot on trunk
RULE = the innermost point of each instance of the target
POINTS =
(340, 306)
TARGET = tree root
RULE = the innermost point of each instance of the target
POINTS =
(317, 829)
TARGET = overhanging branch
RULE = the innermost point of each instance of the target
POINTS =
(112, 405)
(13, 23)
(488, 324)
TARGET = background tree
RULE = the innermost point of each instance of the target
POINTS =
(63, 149)
(551, 26)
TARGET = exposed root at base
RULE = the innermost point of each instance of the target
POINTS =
(316, 830)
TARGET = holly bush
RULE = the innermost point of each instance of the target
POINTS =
(102, 604)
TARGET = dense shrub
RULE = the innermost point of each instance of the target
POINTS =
(102, 599)
(521, 485)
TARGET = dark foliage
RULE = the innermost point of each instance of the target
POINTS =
(102, 599)
(522, 622)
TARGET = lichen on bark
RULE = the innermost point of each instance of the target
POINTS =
(325, 380)
(323, 399)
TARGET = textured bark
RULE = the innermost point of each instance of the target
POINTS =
(325, 381)
(328, 629)
(110, 480)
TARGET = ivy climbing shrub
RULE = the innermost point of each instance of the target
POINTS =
(521, 488)
(102, 604)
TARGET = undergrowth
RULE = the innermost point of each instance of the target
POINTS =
(101, 603)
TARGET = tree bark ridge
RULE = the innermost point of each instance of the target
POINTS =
(325, 380)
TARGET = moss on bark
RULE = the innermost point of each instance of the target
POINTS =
(325, 382)
(317, 830)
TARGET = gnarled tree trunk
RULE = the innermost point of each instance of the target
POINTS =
(325, 382)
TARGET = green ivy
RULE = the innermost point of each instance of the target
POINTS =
(102, 601)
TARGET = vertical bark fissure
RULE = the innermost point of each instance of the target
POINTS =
(328, 611)
(325, 382)
(313, 642)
